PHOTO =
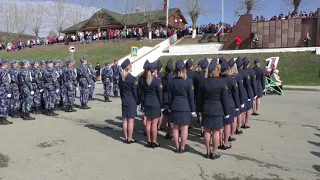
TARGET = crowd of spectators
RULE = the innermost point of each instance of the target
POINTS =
(210, 28)
(91, 36)
(288, 16)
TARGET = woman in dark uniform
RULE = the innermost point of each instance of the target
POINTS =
(160, 75)
(181, 104)
(244, 94)
(190, 75)
(261, 83)
(233, 102)
(152, 103)
(199, 77)
(212, 102)
(129, 99)
(140, 80)
(236, 126)
(165, 82)
(248, 86)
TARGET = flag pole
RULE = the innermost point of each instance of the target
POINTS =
(222, 18)
(167, 20)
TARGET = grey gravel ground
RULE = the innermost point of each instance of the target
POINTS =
(283, 143)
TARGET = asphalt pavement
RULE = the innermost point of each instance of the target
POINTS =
(282, 143)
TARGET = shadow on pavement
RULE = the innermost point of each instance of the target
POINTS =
(314, 143)
(315, 153)
(316, 167)
(113, 129)
(317, 135)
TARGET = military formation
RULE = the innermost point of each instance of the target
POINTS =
(221, 94)
(47, 86)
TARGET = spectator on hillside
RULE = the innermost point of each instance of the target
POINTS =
(276, 79)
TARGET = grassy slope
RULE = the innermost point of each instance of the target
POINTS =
(295, 68)
(93, 52)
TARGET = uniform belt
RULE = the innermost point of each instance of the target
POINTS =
(3, 85)
(49, 83)
(82, 77)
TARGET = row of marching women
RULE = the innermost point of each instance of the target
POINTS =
(222, 94)
(43, 87)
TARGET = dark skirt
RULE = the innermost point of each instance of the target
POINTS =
(181, 118)
(213, 122)
(249, 105)
(230, 120)
(152, 112)
(129, 111)
(259, 93)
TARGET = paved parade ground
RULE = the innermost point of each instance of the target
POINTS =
(283, 143)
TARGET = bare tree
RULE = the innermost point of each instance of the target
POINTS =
(76, 13)
(7, 19)
(126, 8)
(99, 16)
(194, 8)
(247, 6)
(150, 10)
(20, 20)
(52, 33)
(294, 3)
(36, 15)
(58, 14)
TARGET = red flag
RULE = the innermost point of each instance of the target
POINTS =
(165, 5)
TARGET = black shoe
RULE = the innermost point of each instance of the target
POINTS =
(183, 150)
(67, 109)
(16, 114)
(238, 131)
(46, 112)
(154, 145)
(3, 121)
(226, 147)
(71, 109)
(149, 144)
(231, 139)
(52, 113)
(26, 117)
(90, 99)
(177, 150)
(208, 155)
(131, 141)
(215, 156)
(85, 107)
(220, 147)
(106, 99)
(29, 117)
(202, 134)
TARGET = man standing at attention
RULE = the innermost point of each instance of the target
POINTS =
(116, 71)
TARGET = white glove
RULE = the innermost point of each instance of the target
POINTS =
(242, 105)
(227, 116)
(169, 110)
(249, 99)
(237, 109)
(162, 109)
(32, 92)
(194, 114)
(41, 90)
(9, 95)
(200, 113)
(77, 88)
(264, 90)
(57, 90)
(255, 97)
(89, 86)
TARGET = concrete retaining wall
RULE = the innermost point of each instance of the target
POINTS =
(198, 51)
(203, 48)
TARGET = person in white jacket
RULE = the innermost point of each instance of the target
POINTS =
(276, 78)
